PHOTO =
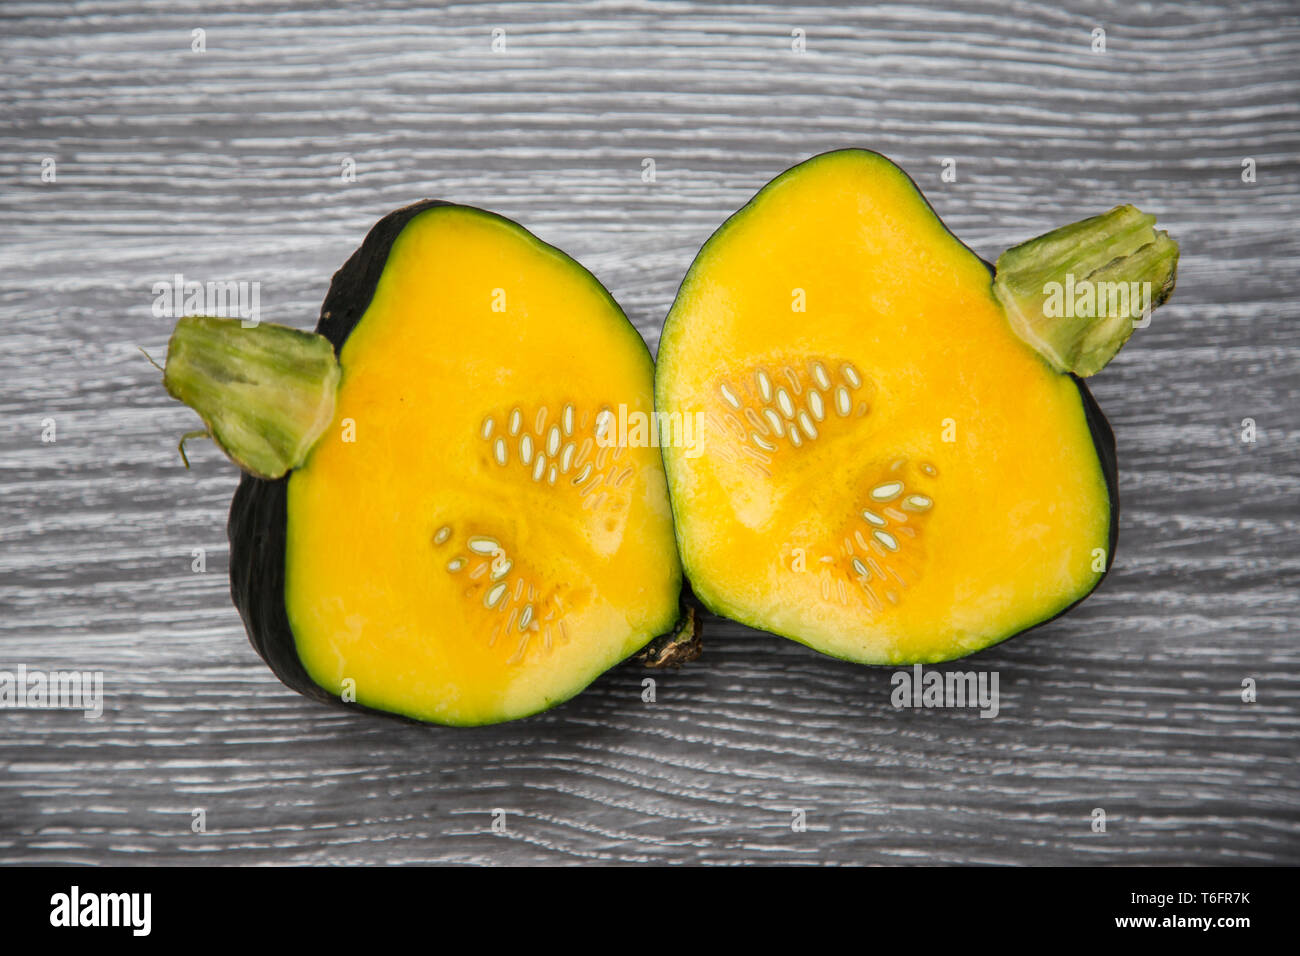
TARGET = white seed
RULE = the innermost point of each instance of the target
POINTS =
(443, 534)
(764, 385)
(843, 403)
(816, 404)
(887, 539)
(774, 420)
(851, 376)
(729, 395)
(566, 457)
(861, 569)
(888, 491)
(455, 564)
(807, 425)
(488, 425)
(516, 421)
(550, 476)
(761, 443)
(553, 441)
(539, 467)
(500, 568)
(917, 503)
(820, 376)
(567, 420)
(526, 618)
(873, 518)
(494, 594)
(499, 451)
(795, 438)
(481, 545)
(603, 421)
(783, 400)
(526, 449)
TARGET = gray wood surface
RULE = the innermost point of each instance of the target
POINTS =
(226, 165)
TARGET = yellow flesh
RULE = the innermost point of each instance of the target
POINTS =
(1019, 501)
(368, 591)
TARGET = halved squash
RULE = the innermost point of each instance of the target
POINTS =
(891, 473)
(463, 542)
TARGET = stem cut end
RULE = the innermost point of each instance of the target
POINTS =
(265, 392)
(1076, 294)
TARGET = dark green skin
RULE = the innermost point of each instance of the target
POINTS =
(1103, 437)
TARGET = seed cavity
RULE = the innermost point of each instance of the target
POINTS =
(917, 503)
(455, 564)
(483, 545)
(887, 491)
(442, 534)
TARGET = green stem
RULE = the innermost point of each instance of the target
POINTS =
(265, 392)
(1076, 294)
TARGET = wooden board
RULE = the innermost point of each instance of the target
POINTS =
(227, 165)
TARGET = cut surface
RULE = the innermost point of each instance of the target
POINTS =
(889, 474)
(464, 545)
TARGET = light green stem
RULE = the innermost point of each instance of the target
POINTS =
(1076, 294)
(266, 392)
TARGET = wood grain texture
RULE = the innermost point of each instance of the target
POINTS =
(226, 165)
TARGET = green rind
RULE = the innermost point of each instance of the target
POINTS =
(1103, 439)
(258, 523)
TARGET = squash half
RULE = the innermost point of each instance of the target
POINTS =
(890, 473)
(464, 544)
